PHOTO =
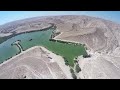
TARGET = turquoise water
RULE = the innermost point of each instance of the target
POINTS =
(7, 51)
(41, 38)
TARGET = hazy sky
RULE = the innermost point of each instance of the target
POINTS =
(7, 16)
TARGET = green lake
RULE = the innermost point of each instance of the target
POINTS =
(41, 38)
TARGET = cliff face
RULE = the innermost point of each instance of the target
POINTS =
(101, 36)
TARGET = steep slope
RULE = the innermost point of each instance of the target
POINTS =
(102, 38)
(35, 63)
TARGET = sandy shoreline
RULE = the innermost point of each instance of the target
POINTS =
(4, 35)
(71, 41)
(57, 38)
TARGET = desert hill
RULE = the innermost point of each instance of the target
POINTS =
(102, 38)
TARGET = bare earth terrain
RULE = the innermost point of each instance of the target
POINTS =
(35, 63)
(102, 38)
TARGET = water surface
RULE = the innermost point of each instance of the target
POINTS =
(40, 38)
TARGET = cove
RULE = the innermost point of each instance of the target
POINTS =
(41, 38)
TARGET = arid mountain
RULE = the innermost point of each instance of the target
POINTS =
(102, 38)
